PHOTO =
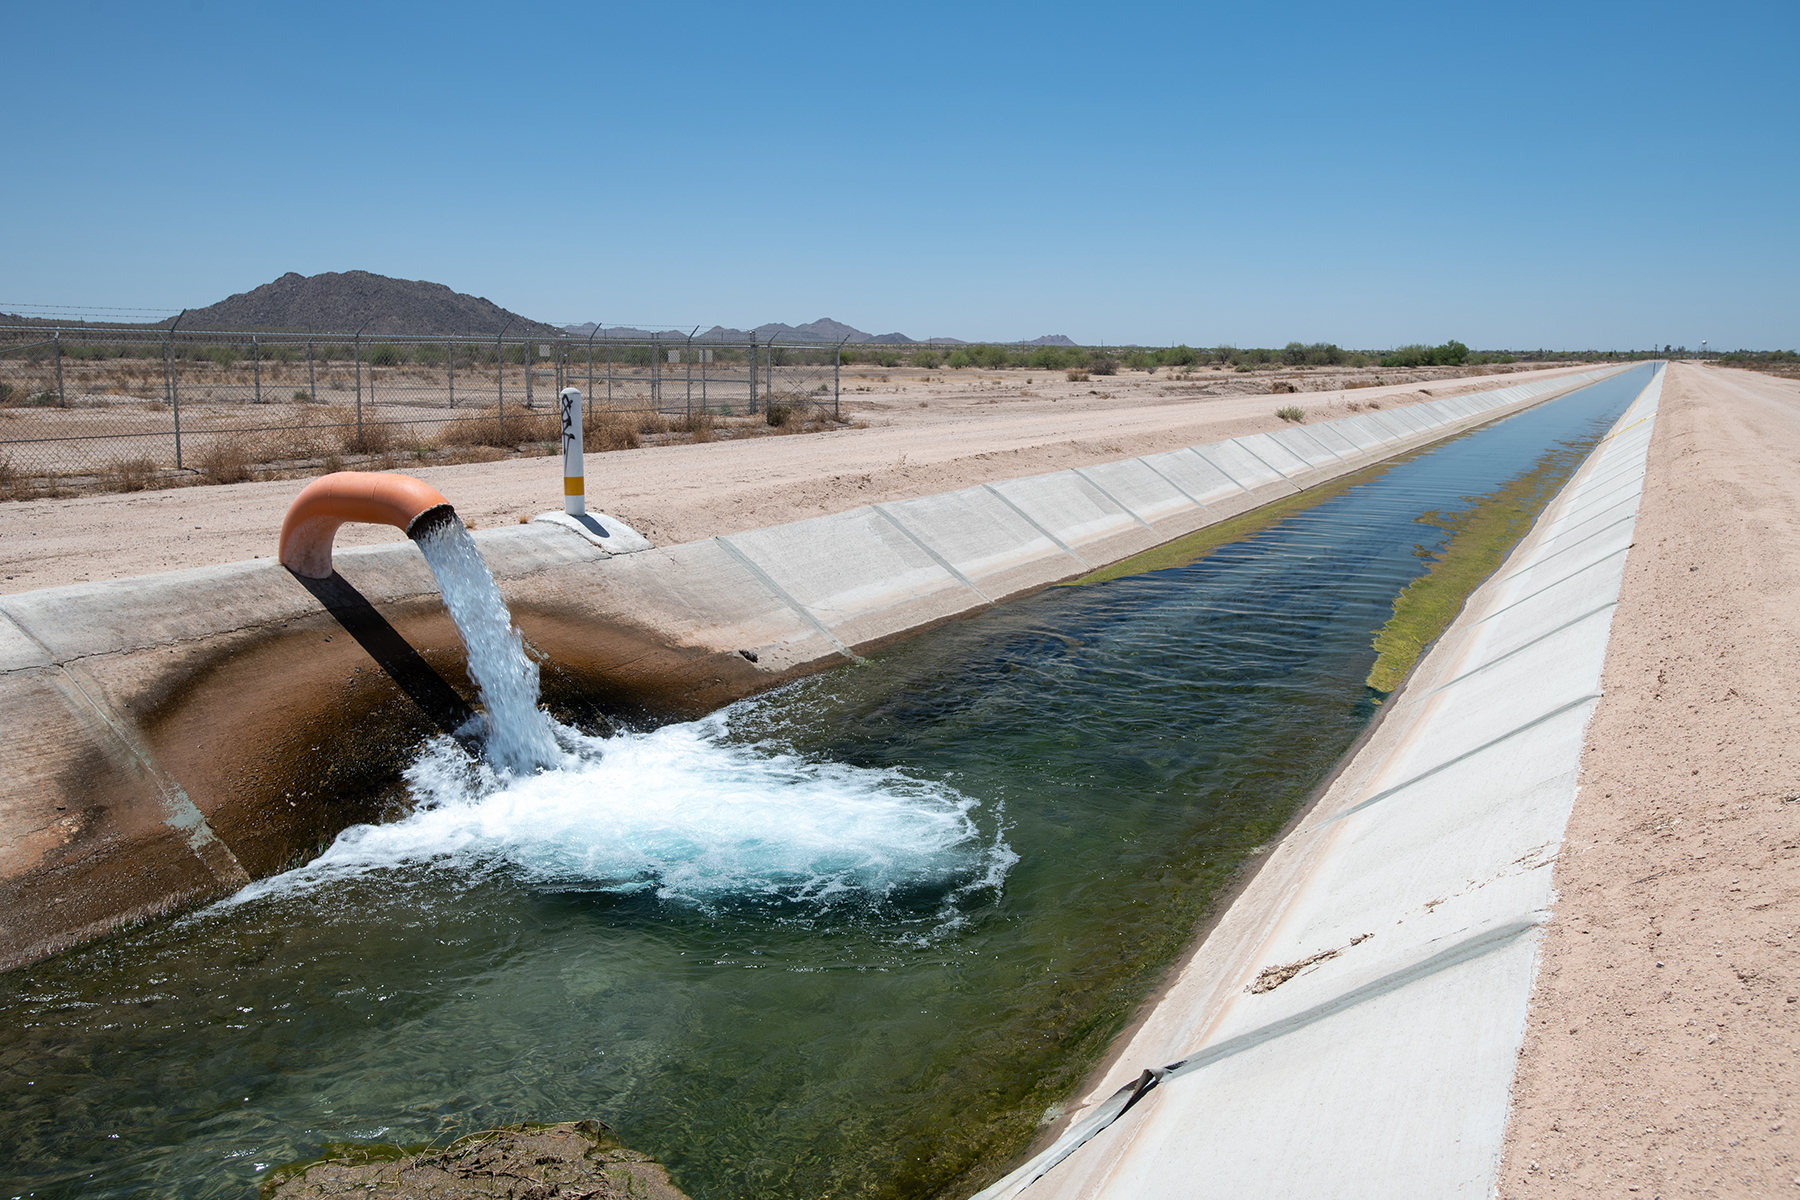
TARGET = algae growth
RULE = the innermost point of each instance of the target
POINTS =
(1480, 538)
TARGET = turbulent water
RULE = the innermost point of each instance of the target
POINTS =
(852, 938)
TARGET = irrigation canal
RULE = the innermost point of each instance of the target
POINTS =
(855, 937)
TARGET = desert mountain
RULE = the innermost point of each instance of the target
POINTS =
(338, 302)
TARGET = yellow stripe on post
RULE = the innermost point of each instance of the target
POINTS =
(572, 486)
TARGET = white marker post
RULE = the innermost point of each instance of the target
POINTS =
(609, 533)
(574, 485)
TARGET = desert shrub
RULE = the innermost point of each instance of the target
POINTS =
(1291, 412)
(385, 355)
(1279, 386)
(6, 392)
(886, 358)
(1450, 354)
(1102, 364)
(779, 414)
(990, 358)
(652, 422)
(302, 396)
(226, 460)
(487, 428)
(429, 354)
(130, 474)
(44, 399)
(1137, 360)
(608, 430)
(929, 360)
(959, 359)
(1077, 376)
(697, 425)
(1178, 356)
(1048, 358)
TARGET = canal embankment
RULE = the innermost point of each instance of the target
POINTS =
(1350, 1023)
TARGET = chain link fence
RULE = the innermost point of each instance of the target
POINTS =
(81, 404)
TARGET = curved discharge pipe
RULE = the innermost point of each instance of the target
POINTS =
(374, 498)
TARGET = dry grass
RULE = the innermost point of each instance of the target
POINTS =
(226, 460)
(130, 474)
(699, 426)
(1077, 376)
(607, 430)
(1291, 412)
(488, 428)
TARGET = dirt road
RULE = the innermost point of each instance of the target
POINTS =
(1664, 1040)
(919, 439)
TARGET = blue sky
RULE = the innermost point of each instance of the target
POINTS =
(1561, 175)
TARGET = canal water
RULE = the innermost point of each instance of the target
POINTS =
(856, 937)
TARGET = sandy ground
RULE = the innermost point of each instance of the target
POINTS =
(921, 438)
(1664, 1037)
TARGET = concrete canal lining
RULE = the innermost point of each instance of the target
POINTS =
(1350, 1025)
(175, 735)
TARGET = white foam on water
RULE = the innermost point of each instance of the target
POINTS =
(685, 812)
(517, 735)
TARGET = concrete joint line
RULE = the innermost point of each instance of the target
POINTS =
(1265, 462)
(1321, 445)
(1534, 565)
(180, 813)
(937, 558)
(1024, 516)
(1221, 470)
(1120, 1102)
(1518, 649)
(1467, 950)
(1201, 504)
(1634, 479)
(781, 593)
(1552, 586)
(1572, 526)
(1112, 499)
(1378, 797)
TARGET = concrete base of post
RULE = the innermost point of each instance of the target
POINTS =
(609, 533)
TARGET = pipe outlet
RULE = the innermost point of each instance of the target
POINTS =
(374, 498)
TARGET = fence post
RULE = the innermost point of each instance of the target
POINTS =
(60, 398)
(500, 372)
(256, 365)
(450, 366)
(356, 353)
(312, 387)
(837, 368)
(753, 374)
(530, 366)
(175, 387)
(590, 390)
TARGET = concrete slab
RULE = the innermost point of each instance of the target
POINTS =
(1304, 444)
(986, 541)
(1331, 438)
(1077, 515)
(1199, 479)
(1363, 432)
(1284, 460)
(1148, 496)
(1246, 470)
(857, 574)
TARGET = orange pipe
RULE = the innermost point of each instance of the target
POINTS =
(372, 497)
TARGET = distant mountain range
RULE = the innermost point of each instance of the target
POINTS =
(825, 329)
(341, 302)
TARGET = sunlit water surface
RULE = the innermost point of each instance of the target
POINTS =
(853, 937)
